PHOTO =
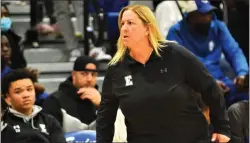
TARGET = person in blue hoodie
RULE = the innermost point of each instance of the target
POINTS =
(208, 38)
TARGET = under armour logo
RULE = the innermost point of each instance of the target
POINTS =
(43, 129)
(164, 70)
(17, 128)
(128, 80)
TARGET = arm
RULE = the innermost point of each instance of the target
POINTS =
(52, 107)
(107, 111)
(201, 81)
(91, 94)
(56, 132)
(232, 51)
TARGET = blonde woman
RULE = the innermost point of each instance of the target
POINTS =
(151, 80)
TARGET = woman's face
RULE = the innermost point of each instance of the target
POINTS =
(5, 48)
(3, 11)
(133, 31)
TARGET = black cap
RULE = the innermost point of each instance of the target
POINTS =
(81, 62)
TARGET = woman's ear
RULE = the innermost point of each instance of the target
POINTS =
(148, 29)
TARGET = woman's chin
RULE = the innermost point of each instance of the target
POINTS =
(125, 44)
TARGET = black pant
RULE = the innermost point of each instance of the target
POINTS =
(239, 121)
(36, 11)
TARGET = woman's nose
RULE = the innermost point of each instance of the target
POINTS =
(5, 49)
(124, 27)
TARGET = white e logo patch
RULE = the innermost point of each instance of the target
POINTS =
(43, 128)
(128, 80)
(211, 46)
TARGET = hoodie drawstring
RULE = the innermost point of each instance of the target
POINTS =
(32, 123)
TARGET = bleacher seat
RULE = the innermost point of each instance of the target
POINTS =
(81, 136)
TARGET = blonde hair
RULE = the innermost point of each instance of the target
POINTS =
(147, 17)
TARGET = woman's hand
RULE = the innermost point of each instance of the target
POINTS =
(220, 138)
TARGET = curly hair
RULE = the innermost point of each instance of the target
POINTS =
(13, 76)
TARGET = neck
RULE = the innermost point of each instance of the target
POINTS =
(142, 53)
(27, 112)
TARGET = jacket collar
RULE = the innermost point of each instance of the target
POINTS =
(128, 60)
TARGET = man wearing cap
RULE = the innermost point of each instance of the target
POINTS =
(75, 102)
(208, 38)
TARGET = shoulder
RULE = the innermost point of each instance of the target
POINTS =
(48, 119)
(175, 49)
(51, 102)
(219, 24)
(112, 69)
(176, 27)
(55, 95)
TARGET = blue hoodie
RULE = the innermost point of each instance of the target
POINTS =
(209, 50)
(5, 71)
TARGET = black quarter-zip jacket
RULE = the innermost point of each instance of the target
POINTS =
(156, 99)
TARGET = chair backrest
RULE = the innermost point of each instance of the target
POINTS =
(81, 136)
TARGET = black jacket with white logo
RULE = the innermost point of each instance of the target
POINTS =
(69, 109)
(36, 128)
(157, 101)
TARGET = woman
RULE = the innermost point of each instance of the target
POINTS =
(17, 58)
(152, 81)
(6, 53)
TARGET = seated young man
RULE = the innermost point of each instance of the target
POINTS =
(75, 102)
(23, 122)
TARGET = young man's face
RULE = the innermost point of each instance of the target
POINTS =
(21, 95)
(200, 22)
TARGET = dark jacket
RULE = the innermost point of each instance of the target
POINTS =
(157, 100)
(66, 103)
(36, 128)
(17, 57)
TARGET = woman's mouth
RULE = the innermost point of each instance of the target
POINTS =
(125, 36)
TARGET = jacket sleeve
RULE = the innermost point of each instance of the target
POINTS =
(107, 111)
(199, 79)
(56, 132)
(51, 106)
(232, 51)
